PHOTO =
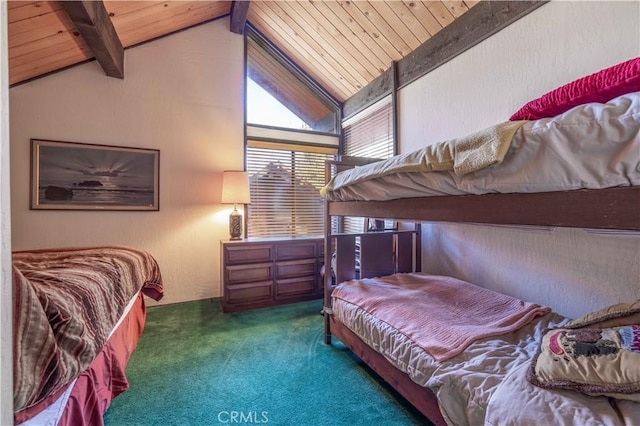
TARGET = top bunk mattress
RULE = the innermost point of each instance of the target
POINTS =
(591, 146)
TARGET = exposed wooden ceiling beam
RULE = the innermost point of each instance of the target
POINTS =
(94, 25)
(238, 19)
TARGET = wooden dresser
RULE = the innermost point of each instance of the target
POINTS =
(260, 272)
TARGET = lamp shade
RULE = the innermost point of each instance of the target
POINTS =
(235, 188)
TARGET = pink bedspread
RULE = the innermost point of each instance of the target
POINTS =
(66, 302)
(442, 315)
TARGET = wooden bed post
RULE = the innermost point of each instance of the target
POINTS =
(326, 309)
(418, 246)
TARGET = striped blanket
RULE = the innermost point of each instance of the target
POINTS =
(66, 303)
(442, 315)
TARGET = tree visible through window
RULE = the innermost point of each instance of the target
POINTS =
(285, 198)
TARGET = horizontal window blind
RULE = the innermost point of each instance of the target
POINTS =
(285, 181)
(368, 134)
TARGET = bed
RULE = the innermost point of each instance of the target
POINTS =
(491, 375)
(494, 175)
(78, 314)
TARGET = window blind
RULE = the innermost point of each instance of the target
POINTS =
(368, 134)
(285, 180)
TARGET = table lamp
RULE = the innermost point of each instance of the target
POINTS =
(235, 190)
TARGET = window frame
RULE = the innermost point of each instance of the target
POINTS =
(279, 138)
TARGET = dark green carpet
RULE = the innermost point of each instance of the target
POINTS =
(197, 366)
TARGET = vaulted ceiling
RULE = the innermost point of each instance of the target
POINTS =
(342, 45)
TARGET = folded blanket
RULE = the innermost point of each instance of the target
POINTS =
(462, 155)
(442, 315)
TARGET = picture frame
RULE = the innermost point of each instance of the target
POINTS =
(82, 176)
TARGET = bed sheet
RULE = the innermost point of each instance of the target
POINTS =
(591, 146)
(484, 384)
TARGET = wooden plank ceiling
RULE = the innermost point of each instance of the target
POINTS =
(342, 45)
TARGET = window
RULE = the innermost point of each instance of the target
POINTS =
(368, 133)
(267, 110)
(285, 184)
(276, 75)
(291, 130)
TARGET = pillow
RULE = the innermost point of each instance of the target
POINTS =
(601, 86)
(611, 316)
(592, 361)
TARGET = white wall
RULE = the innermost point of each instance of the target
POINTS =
(6, 339)
(182, 94)
(570, 270)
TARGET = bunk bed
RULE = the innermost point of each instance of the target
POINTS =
(600, 175)
(78, 314)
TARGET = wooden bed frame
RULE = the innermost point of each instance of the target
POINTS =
(613, 208)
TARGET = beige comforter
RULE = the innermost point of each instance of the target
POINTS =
(591, 146)
(462, 155)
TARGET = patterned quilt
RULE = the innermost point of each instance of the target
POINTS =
(66, 303)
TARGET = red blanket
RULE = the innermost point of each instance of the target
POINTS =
(66, 302)
(442, 315)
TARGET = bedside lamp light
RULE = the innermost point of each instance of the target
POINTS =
(235, 190)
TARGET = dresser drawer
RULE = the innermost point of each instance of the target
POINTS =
(296, 286)
(235, 254)
(263, 272)
(296, 251)
(296, 268)
(248, 293)
(247, 273)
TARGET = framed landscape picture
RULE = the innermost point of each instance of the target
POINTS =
(80, 176)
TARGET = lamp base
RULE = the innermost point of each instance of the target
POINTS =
(235, 225)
